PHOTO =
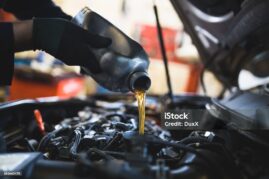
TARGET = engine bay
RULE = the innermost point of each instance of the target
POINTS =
(98, 138)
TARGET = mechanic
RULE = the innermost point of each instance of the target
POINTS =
(46, 27)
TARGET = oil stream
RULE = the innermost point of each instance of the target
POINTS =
(140, 96)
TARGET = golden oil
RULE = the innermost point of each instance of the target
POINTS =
(141, 97)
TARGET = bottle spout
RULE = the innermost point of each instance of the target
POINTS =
(139, 81)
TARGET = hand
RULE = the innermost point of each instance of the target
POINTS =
(68, 42)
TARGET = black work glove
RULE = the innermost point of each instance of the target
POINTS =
(68, 42)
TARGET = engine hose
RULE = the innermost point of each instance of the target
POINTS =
(215, 166)
(46, 139)
(77, 139)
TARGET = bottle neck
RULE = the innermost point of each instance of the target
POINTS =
(139, 81)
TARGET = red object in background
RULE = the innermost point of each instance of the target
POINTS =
(6, 17)
(64, 88)
(194, 78)
(150, 41)
(194, 75)
(39, 121)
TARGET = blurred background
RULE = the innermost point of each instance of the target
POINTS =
(38, 74)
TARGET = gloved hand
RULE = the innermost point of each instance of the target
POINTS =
(68, 42)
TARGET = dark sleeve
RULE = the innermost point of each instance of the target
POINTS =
(27, 9)
(1, 3)
(6, 53)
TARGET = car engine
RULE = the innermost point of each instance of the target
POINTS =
(98, 138)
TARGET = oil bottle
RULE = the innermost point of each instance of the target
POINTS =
(124, 63)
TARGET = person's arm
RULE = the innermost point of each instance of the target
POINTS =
(58, 37)
(6, 53)
(27, 9)
(14, 37)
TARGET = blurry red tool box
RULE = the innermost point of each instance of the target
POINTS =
(29, 83)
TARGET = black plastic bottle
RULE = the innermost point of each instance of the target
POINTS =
(124, 64)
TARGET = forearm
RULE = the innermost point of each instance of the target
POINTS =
(22, 31)
(27, 9)
(6, 53)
